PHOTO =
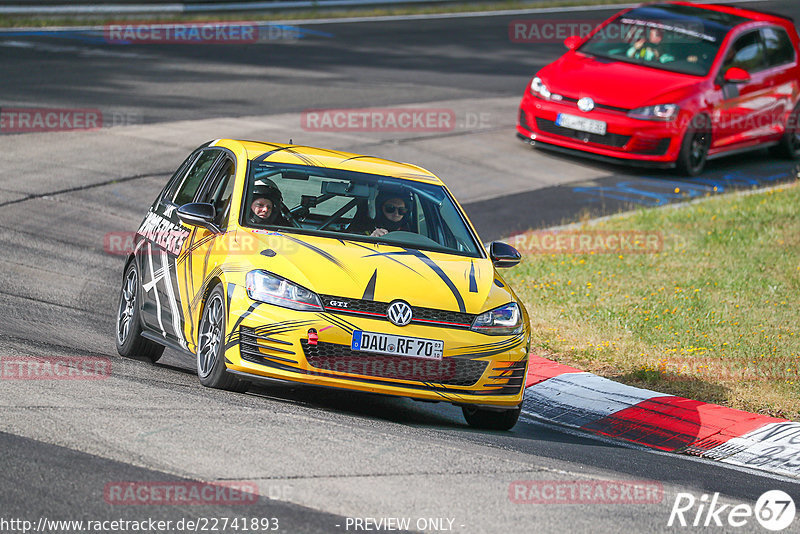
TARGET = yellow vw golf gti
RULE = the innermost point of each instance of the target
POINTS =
(265, 261)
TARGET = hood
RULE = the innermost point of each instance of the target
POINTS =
(614, 83)
(371, 271)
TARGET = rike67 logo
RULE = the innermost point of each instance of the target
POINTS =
(774, 510)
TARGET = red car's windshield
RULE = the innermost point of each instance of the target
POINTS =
(660, 38)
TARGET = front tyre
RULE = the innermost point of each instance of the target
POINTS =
(694, 148)
(211, 346)
(789, 146)
(130, 342)
(491, 419)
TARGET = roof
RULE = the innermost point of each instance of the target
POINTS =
(333, 159)
(738, 12)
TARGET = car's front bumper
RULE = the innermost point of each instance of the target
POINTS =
(651, 143)
(273, 343)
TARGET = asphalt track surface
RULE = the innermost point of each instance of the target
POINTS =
(317, 456)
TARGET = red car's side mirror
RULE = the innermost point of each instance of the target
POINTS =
(737, 75)
(572, 42)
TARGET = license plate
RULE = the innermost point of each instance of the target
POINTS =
(413, 347)
(582, 124)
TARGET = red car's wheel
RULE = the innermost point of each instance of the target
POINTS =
(789, 145)
(694, 149)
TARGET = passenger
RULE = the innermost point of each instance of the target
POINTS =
(265, 209)
(650, 48)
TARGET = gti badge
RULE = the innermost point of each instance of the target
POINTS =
(586, 104)
(399, 313)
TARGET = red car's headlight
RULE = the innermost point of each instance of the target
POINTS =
(538, 88)
(661, 112)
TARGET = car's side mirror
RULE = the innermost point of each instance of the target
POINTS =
(572, 42)
(503, 255)
(199, 214)
(737, 75)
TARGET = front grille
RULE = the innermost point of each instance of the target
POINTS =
(377, 310)
(512, 374)
(651, 147)
(523, 119)
(609, 139)
(448, 371)
(262, 349)
(596, 105)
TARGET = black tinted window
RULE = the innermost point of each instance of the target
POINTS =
(175, 181)
(778, 47)
(219, 191)
(192, 180)
(747, 53)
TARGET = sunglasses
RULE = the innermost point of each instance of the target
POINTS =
(392, 209)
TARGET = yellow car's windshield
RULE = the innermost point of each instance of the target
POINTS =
(361, 206)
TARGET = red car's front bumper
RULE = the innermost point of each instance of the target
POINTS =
(644, 142)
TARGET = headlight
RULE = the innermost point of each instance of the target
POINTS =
(502, 321)
(272, 289)
(538, 88)
(661, 112)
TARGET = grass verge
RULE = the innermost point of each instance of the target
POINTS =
(713, 316)
(9, 21)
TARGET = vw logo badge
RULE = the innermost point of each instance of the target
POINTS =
(586, 104)
(399, 313)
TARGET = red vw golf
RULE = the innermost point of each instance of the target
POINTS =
(670, 84)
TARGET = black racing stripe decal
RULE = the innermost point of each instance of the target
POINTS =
(369, 292)
(356, 157)
(290, 149)
(446, 279)
(341, 323)
(267, 330)
(187, 269)
(197, 244)
(387, 255)
(497, 349)
(322, 253)
(517, 337)
(242, 317)
(231, 289)
(490, 353)
(302, 157)
(473, 284)
(266, 155)
(279, 328)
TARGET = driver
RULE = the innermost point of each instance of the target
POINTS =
(265, 208)
(392, 213)
(650, 48)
